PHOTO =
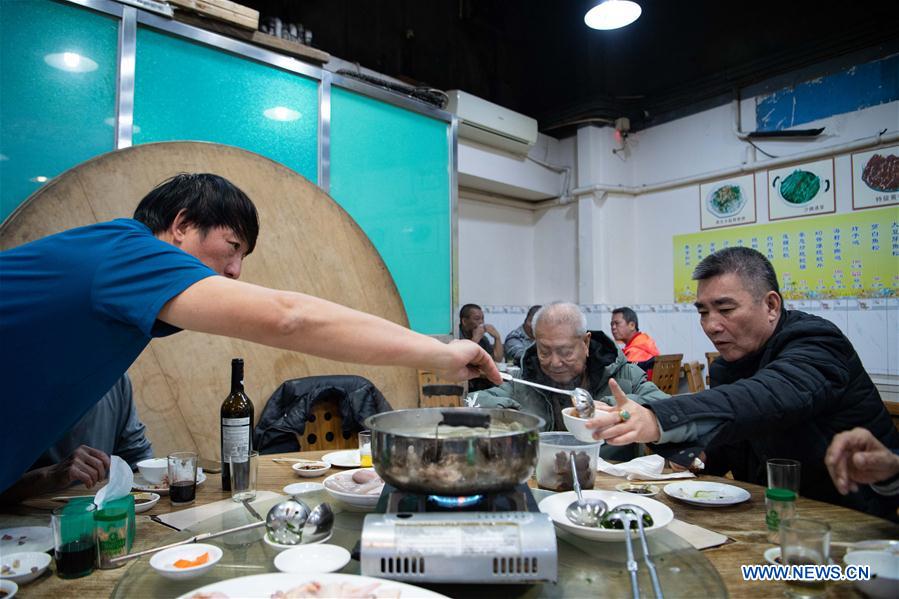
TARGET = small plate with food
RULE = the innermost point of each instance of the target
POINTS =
(644, 489)
(144, 501)
(706, 493)
(25, 539)
(359, 488)
(311, 469)
(24, 567)
(185, 561)
(346, 458)
(280, 584)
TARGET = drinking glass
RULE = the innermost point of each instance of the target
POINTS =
(182, 477)
(784, 474)
(365, 449)
(805, 542)
(244, 465)
(74, 543)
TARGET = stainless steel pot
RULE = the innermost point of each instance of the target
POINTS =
(409, 453)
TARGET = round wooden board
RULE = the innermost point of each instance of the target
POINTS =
(306, 243)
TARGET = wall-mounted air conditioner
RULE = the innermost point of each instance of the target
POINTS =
(491, 124)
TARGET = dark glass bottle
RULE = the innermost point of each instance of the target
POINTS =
(236, 421)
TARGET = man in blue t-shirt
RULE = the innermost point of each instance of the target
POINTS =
(78, 307)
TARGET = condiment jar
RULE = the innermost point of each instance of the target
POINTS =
(115, 528)
(780, 505)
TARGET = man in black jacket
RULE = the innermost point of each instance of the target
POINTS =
(785, 384)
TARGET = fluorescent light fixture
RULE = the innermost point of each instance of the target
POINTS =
(281, 113)
(38, 179)
(70, 61)
(612, 14)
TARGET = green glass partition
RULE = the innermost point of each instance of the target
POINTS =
(57, 93)
(390, 170)
(187, 91)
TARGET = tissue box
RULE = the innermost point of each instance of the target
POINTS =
(114, 527)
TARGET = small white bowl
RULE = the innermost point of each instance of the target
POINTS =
(153, 469)
(144, 501)
(31, 564)
(163, 562)
(300, 488)
(312, 559)
(8, 587)
(884, 565)
(307, 470)
(281, 546)
(577, 426)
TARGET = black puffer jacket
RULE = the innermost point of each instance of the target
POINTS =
(788, 400)
(286, 411)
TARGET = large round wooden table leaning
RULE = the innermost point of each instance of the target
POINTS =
(586, 568)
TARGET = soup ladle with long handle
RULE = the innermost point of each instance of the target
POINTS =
(584, 512)
(581, 398)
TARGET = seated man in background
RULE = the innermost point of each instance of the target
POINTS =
(110, 427)
(472, 327)
(785, 385)
(639, 347)
(566, 355)
(521, 338)
(856, 458)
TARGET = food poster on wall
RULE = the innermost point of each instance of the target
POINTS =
(821, 257)
(727, 203)
(875, 178)
(801, 190)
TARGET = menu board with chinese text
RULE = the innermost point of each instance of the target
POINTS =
(842, 255)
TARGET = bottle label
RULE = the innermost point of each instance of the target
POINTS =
(236, 421)
(235, 435)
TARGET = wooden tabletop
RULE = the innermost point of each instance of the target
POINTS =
(744, 524)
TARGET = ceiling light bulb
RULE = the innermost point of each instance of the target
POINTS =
(612, 14)
(70, 61)
(281, 113)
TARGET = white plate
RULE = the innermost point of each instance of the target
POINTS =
(312, 558)
(347, 458)
(364, 502)
(23, 573)
(162, 488)
(282, 547)
(555, 505)
(265, 585)
(641, 489)
(163, 561)
(8, 587)
(300, 488)
(712, 494)
(36, 538)
(153, 499)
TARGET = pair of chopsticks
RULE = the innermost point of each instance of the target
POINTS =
(296, 460)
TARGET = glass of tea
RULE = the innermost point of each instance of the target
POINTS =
(244, 466)
(182, 477)
(365, 449)
(74, 543)
(805, 542)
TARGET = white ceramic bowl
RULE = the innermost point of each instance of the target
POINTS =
(25, 566)
(301, 488)
(306, 559)
(307, 470)
(144, 501)
(577, 426)
(163, 562)
(555, 505)
(884, 581)
(153, 469)
(8, 587)
(364, 502)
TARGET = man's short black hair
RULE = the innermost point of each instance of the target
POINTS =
(531, 311)
(628, 315)
(751, 266)
(209, 202)
(467, 308)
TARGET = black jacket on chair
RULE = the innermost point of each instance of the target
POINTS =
(287, 410)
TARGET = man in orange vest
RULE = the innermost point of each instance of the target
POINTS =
(639, 347)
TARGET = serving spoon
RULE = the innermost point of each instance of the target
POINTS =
(584, 512)
(582, 399)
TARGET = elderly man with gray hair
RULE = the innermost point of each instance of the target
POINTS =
(566, 355)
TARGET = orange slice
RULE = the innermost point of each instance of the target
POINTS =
(190, 563)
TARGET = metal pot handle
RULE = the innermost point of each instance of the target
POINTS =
(464, 418)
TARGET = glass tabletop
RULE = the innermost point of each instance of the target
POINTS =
(585, 568)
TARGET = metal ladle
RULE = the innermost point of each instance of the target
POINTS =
(319, 524)
(578, 394)
(584, 512)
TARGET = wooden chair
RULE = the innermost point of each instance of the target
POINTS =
(666, 372)
(324, 428)
(435, 392)
(693, 370)
(710, 356)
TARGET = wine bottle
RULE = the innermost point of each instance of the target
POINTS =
(237, 421)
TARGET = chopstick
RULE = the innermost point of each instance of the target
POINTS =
(298, 460)
(201, 537)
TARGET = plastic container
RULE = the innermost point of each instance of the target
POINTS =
(115, 528)
(780, 505)
(554, 466)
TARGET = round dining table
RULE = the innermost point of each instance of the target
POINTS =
(715, 571)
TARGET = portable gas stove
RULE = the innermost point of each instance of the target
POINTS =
(499, 538)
